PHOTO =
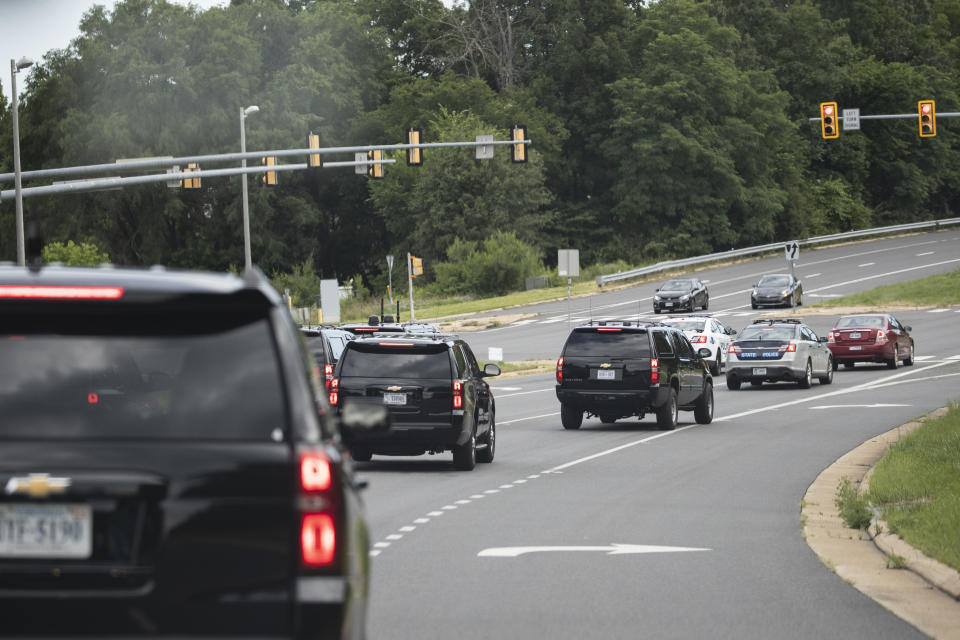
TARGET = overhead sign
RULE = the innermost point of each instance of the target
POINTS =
(851, 119)
(484, 151)
(792, 250)
(610, 550)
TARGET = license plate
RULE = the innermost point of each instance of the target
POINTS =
(46, 531)
(855, 348)
(394, 398)
(759, 371)
(854, 335)
(604, 374)
(668, 304)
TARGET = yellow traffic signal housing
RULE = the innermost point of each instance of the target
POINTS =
(414, 154)
(927, 118)
(828, 120)
(375, 170)
(519, 151)
(313, 142)
(416, 268)
(190, 183)
(269, 178)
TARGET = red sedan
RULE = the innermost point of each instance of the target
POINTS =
(873, 337)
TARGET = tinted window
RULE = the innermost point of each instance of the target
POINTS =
(683, 346)
(677, 285)
(686, 325)
(336, 346)
(774, 281)
(759, 332)
(224, 384)
(664, 348)
(608, 344)
(398, 362)
(461, 362)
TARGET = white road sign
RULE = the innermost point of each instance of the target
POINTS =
(851, 119)
(792, 250)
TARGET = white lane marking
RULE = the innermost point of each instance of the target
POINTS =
(922, 358)
(449, 507)
(938, 310)
(520, 323)
(543, 415)
(434, 514)
(924, 379)
(616, 449)
(855, 406)
(813, 275)
(506, 486)
(462, 502)
(492, 491)
(374, 553)
(422, 520)
(521, 393)
(957, 357)
(867, 253)
(867, 264)
(925, 253)
(533, 477)
(381, 545)
(477, 496)
(394, 536)
(519, 481)
(408, 529)
(824, 295)
(613, 549)
(506, 388)
(882, 275)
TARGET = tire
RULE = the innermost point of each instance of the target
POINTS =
(792, 303)
(715, 366)
(360, 455)
(732, 383)
(849, 365)
(827, 378)
(668, 412)
(894, 362)
(703, 411)
(485, 453)
(836, 365)
(706, 303)
(607, 419)
(570, 418)
(807, 380)
(753, 305)
(465, 455)
(908, 361)
(656, 311)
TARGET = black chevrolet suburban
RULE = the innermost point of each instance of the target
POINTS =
(170, 466)
(618, 370)
(434, 389)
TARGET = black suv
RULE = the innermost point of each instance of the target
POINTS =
(616, 370)
(326, 344)
(434, 389)
(170, 464)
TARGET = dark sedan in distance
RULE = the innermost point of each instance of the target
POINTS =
(777, 290)
(681, 294)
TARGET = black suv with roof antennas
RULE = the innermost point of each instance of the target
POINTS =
(432, 386)
(622, 369)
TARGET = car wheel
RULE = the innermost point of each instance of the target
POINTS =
(909, 359)
(894, 362)
(715, 366)
(732, 383)
(753, 305)
(706, 303)
(849, 365)
(465, 455)
(807, 380)
(703, 412)
(836, 365)
(668, 412)
(570, 417)
(360, 455)
(655, 310)
(827, 378)
(489, 448)
(793, 302)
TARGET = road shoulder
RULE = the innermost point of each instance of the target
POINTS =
(863, 562)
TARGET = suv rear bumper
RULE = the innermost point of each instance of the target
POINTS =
(413, 438)
(600, 401)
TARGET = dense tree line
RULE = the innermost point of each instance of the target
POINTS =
(660, 128)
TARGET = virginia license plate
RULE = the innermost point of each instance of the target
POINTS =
(759, 371)
(46, 531)
(854, 348)
(606, 374)
(394, 398)
(668, 304)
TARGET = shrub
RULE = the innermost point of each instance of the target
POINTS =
(496, 266)
(853, 508)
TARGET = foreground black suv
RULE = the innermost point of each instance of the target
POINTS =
(434, 389)
(617, 370)
(169, 462)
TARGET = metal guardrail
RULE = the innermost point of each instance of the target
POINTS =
(766, 248)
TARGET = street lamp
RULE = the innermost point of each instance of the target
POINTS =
(243, 163)
(16, 66)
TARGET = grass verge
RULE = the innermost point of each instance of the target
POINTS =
(853, 507)
(941, 290)
(916, 485)
(525, 367)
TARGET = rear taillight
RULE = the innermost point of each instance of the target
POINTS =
(881, 336)
(318, 539)
(654, 371)
(315, 472)
(457, 394)
(788, 348)
(831, 338)
(610, 329)
(334, 391)
(734, 349)
(327, 374)
(320, 510)
(698, 339)
(560, 370)
(61, 293)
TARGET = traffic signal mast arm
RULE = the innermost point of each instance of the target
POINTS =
(900, 116)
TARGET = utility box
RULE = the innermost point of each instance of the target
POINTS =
(330, 301)
(536, 282)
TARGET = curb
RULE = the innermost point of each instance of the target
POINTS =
(925, 595)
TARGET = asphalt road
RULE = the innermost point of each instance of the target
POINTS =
(525, 547)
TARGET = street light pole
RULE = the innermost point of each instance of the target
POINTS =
(243, 163)
(14, 68)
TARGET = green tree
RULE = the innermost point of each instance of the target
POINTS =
(494, 266)
(71, 254)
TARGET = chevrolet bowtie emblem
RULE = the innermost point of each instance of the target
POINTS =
(605, 365)
(37, 485)
(394, 388)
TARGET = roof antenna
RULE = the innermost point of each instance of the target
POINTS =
(34, 246)
(590, 300)
(638, 313)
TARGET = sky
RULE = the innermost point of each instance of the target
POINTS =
(30, 28)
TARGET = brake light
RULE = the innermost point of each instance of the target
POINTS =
(698, 339)
(318, 539)
(457, 394)
(61, 293)
(610, 329)
(315, 472)
(395, 344)
(327, 374)
(831, 338)
(788, 348)
(734, 349)
(560, 370)
(881, 336)
(654, 371)
(334, 391)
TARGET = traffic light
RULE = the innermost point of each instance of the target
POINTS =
(828, 120)
(269, 178)
(313, 142)
(519, 151)
(927, 118)
(416, 267)
(375, 170)
(414, 154)
(190, 183)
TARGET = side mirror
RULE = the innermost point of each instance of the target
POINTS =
(908, 327)
(362, 417)
(490, 370)
(823, 339)
(703, 352)
(731, 331)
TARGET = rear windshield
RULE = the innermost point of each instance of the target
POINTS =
(686, 325)
(397, 362)
(767, 333)
(86, 384)
(869, 322)
(608, 344)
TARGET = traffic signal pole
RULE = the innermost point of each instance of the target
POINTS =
(413, 318)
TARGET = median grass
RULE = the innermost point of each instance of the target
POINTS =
(916, 486)
(937, 291)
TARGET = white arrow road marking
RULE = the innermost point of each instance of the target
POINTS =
(864, 406)
(611, 550)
